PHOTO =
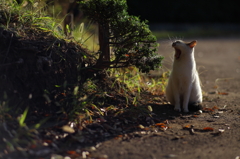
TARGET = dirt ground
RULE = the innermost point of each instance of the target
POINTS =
(213, 134)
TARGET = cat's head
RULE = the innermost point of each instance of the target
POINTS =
(182, 47)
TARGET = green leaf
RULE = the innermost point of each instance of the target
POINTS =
(75, 91)
(23, 117)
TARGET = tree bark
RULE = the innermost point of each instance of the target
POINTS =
(103, 37)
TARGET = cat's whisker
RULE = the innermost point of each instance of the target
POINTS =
(170, 38)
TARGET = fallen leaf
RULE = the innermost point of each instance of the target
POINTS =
(141, 126)
(164, 127)
(187, 127)
(85, 154)
(48, 141)
(68, 129)
(87, 121)
(221, 130)
(208, 109)
(208, 129)
(150, 108)
(159, 124)
(71, 152)
(166, 122)
(119, 136)
(222, 93)
(146, 128)
(215, 107)
(64, 94)
(215, 87)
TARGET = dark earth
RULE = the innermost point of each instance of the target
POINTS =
(125, 132)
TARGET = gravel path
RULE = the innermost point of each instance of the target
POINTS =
(218, 62)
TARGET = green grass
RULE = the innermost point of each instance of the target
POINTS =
(139, 82)
(86, 35)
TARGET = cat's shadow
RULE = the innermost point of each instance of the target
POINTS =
(167, 112)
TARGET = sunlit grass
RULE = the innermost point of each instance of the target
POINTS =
(86, 34)
(139, 82)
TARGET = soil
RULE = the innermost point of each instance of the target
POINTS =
(214, 133)
(123, 132)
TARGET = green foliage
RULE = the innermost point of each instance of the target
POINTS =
(29, 14)
(137, 82)
(131, 40)
(23, 117)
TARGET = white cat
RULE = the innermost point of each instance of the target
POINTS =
(183, 87)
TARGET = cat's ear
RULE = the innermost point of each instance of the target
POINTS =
(192, 44)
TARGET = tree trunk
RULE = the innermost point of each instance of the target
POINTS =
(103, 37)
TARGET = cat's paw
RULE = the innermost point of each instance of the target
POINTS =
(195, 106)
(177, 108)
(185, 110)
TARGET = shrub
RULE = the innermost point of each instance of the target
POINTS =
(131, 40)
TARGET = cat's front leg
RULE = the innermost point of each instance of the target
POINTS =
(177, 105)
(186, 99)
(185, 109)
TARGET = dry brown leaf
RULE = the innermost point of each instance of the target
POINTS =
(208, 109)
(119, 136)
(159, 124)
(222, 93)
(187, 127)
(48, 141)
(146, 129)
(208, 129)
(215, 107)
(71, 152)
(215, 87)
